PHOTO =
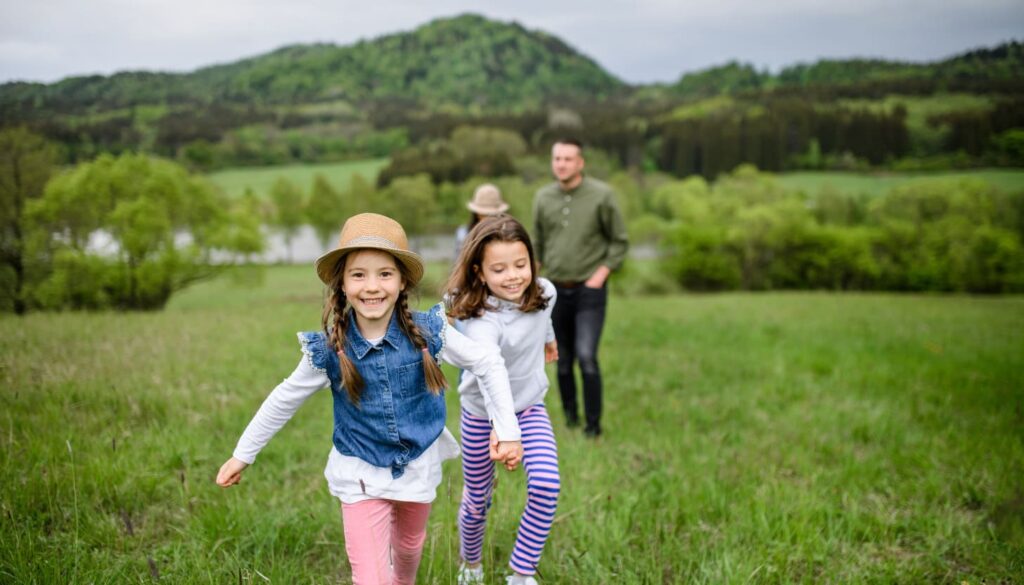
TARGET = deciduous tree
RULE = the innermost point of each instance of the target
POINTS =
(129, 231)
(26, 163)
(325, 210)
(290, 210)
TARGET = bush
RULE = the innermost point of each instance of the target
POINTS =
(642, 277)
(746, 232)
(163, 227)
(699, 259)
(995, 262)
(442, 163)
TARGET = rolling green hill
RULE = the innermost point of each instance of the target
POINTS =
(469, 62)
(998, 69)
(324, 103)
(465, 60)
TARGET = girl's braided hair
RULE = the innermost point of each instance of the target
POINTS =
(335, 321)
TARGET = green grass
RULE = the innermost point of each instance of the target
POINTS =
(919, 108)
(260, 179)
(925, 139)
(813, 182)
(750, 438)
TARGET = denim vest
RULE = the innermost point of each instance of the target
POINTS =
(397, 417)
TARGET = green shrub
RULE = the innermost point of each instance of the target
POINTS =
(746, 232)
(642, 277)
(699, 260)
(163, 227)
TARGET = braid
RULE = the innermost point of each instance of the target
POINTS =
(431, 371)
(336, 306)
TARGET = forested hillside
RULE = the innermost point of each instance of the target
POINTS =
(460, 62)
(998, 69)
(406, 95)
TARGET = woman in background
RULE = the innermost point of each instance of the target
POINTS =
(486, 202)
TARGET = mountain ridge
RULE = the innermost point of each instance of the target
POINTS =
(467, 61)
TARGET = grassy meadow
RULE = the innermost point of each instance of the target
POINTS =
(750, 438)
(813, 182)
(235, 181)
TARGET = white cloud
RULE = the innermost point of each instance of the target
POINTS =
(15, 50)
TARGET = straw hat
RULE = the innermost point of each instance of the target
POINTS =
(487, 201)
(370, 231)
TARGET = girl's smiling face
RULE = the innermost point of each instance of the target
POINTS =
(506, 270)
(372, 282)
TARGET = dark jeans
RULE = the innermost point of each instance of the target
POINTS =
(578, 318)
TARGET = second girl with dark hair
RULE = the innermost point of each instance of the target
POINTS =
(495, 295)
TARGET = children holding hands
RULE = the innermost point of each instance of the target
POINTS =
(380, 360)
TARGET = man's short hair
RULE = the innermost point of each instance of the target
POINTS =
(570, 141)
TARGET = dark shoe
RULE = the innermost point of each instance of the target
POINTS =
(592, 432)
(572, 421)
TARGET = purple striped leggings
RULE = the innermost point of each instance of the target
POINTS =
(540, 458)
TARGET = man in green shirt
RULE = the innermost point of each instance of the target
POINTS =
(580, 238)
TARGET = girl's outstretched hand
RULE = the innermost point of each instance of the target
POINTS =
(231, 472)
(550, 352)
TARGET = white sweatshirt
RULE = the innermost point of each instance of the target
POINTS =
(521, 337)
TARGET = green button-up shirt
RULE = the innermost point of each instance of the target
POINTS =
(578, 230)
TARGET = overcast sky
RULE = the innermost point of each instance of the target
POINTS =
(639, 41)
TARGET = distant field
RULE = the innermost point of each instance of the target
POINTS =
(260, 179)
(919, 108)
(880, 183)
(750, 438)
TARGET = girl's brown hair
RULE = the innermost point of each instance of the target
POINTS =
(335, 322)
(466, 293)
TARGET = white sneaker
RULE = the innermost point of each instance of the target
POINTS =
(520, 580)
(468, 576)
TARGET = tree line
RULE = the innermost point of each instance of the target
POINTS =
(322, 103)
(705, 137)
(128, 231)
(744, 232)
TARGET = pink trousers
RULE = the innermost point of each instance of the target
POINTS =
(384, 540)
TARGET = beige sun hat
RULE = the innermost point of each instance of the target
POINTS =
(487, 201)
(374, 232)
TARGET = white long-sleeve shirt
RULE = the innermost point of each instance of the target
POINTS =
(351, 479)
(521, 337)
